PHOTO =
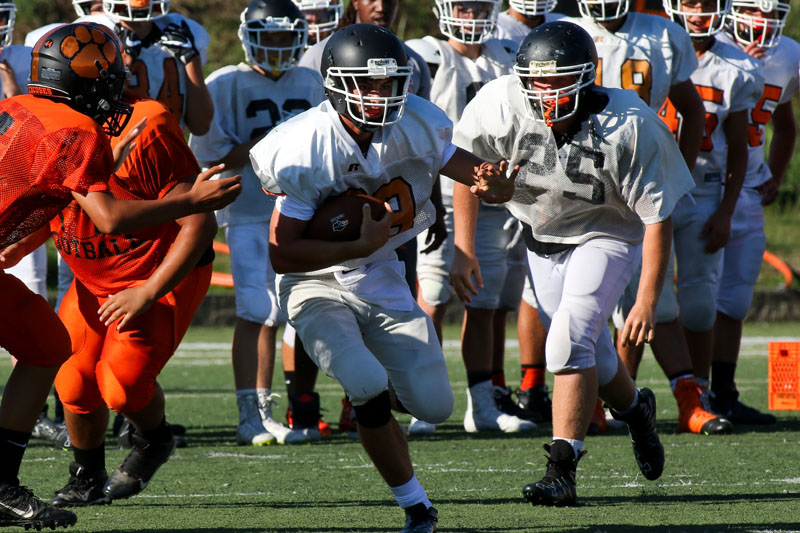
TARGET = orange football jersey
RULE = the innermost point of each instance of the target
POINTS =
(47, 150)
(106, 264)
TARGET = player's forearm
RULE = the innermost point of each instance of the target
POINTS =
(307, 255)
(120, 216)
(784, 135)
(199, 106)
(687, 102)
(463, 167)
(465, 216)
(655, 256)
(736, 133)
(239, 156)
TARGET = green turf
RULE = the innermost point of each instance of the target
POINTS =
(748, 481)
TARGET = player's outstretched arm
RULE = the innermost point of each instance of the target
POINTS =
(11, 255)
(194, 236)
(641, 321)
(118, 216)
(489, 182)
(465, 267)
(291, 251)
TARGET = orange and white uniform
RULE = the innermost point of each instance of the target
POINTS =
(119, 368)
(41, 162)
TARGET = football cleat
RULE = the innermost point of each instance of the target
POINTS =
(692, 417)
(83, 488)
(251, 432)
(139, 467)
(647, 447)
(420, 519)
(598, 424)
(420, 427)
(730, 407)
(537, 399)
(347, 419)
(483, 415)
(49, 430)
(281, 433)
(558, 486)
(502, 397)
(304, 414)
(19, 507)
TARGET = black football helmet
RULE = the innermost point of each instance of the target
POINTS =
(81, 65)
(264, 17)
(363, 51)
(552, 50)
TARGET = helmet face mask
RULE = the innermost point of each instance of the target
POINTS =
(135, 10)
(603, 10)
(556, 64)
(273, 34)
(7, 17)
(83, 7)
(366, 75)
(474, 29)
(758, 21)
(533, 8)
(81, 65)
(322, 16)
(700, 18)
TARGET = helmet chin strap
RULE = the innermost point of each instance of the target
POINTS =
(551, 105)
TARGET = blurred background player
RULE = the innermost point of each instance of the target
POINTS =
(251, 98)
(756, 27)
(522, 16)
(730, 85)
(322, 16)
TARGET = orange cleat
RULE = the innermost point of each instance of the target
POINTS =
(692, 417)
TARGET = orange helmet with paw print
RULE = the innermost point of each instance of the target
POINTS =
(81, 65)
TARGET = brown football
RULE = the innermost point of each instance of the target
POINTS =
(338, 218)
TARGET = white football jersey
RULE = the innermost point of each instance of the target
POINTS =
(620, 171)
(728, 81)
(780, 72)
(311, 157)
(648, 54)
(510, 29)
(247, 105)
(18, 58)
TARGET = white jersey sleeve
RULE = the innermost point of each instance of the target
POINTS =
(18, 58)
(33, 36)
(608, 179)
(510, 29)
(312, 157)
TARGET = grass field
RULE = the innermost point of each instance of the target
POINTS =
(748, 481)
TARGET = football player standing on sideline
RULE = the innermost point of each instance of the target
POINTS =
(250, 100)
(349, 301)
(599, 177)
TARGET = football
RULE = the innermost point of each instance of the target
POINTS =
(339, 218)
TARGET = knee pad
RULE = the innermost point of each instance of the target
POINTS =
(434, 291)
(735, 301)
(120, 397)
(558, 347)
(698, 313)
(77, 392)
(606, 368)
(376, 412)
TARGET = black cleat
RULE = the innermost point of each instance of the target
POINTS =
(420, 519)
(133, 475)
(49, 430)
(19, 507)
(537, 400)
(558, 486)
(502, 397)
(82, 489)
(647, 447)
(739, 413)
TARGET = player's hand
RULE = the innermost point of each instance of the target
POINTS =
(178, 39)
(123, 148)
(639, 326)
(492, 185)
(769, 191)
(755, 50)
(436, 234)
(373, 233)
(463, 271)
(12, 254)
(209, 195)
(716, 231)
(125, 305)
(10, 86)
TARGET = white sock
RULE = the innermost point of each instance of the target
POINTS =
(577, 445)
(410, 493)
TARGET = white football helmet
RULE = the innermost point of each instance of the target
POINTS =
(746, 26)
(603, 10)
(262, 22)
(7, 16)
(467, 30)
(135, 10)
(322, 17)
(84, 7)
(429, 53)
(713, 20)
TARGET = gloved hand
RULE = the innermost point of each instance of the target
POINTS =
(179, 41)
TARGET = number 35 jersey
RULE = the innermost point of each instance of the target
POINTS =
(247, 106)
(312, 157)
(648, 54)
(620, 170)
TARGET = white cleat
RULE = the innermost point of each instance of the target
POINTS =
(283, 434)
(250, 431)
(420, 427)
(483, 415)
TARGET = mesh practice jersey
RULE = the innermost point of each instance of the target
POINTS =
(47, 150)
(311, 157)
(247, 105)
(510, 29)
(105, 263)
(620, 171)
(728, 81)
(780, 72)
(648, 54)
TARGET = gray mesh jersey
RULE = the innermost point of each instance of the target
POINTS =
(622, 169)
(648, 54)
(311, 157)
(780, 72)
(247, 105)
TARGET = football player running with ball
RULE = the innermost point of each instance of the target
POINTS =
(599, 177)
(348, 300)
